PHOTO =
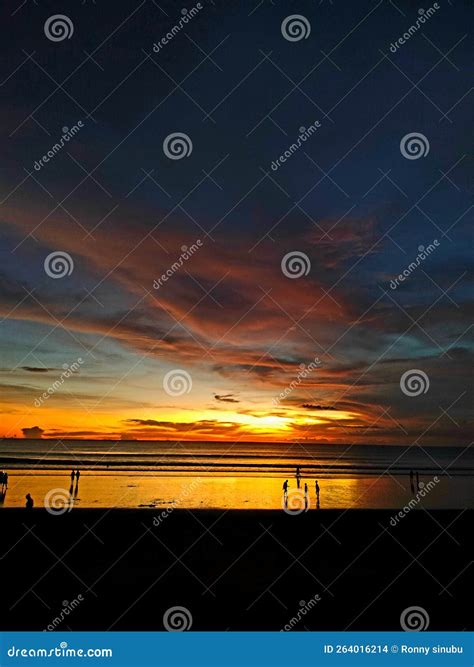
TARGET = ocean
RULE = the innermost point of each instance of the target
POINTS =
(235, 458)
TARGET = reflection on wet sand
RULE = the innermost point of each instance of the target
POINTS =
(232, 492)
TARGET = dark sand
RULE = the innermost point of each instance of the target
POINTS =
(234, 570)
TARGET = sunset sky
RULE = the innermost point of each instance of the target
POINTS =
(229, 316)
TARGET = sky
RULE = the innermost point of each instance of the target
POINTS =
(280, 317)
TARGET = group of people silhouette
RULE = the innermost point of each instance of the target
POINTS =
(306, 490)
(75, 474)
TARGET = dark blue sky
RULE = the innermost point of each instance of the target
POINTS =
(347, 198)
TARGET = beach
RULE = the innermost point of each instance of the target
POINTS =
(159, 490)
(234, 570)
(207, 533)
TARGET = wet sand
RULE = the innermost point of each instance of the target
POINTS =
(234, 570)
(159, 490)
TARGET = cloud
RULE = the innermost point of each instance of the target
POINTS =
(35, 369)
(311, 406)
(226, 398)
(32, 432)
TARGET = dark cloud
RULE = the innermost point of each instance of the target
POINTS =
(32, 432)
(35, 369)
(226, 398)
(311, 406)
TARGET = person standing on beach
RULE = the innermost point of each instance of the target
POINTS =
(306, 496)
(29, 502)
(78, 474)
(72, 476)
(298, 476)
(285, 492)
(316, 486)
(411, 481)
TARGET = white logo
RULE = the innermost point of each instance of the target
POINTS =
(295, 264)
(58, 28)
(295, 502)
(414, 619)
(58, 264)
(58, 501)
(177, 146)
(177, 382)
(177, 619)
(414, 382)
(414, 146)
(295, 27)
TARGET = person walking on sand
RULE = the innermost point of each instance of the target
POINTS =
(78, 474)
(285, 492)
(29, 502)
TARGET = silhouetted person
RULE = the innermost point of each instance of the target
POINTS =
(298, 476)
(72, 476)
(29, 502)
(285, 492)
(78, 474)
(316, 486)
(306, 498)
(412, 487)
